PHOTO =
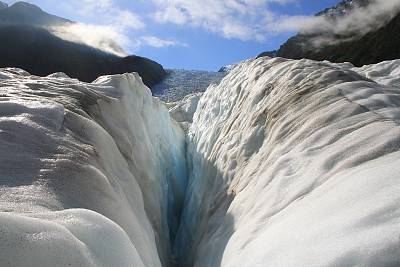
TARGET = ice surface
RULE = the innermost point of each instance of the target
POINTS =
(179, 83)
(386, 72)
(183, 111)
(91, 174)
(294, 163)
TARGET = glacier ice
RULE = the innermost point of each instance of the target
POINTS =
(179, 83)
(294, 163)
(285, 163)
(90, 173)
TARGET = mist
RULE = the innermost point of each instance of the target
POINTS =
(327, 30)
(99, 37)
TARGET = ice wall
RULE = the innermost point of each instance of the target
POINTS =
(294, 163)
(91, 174)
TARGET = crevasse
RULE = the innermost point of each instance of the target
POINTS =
(287, 163)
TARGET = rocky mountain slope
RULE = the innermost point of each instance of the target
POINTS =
(359, 48)
(27, 43)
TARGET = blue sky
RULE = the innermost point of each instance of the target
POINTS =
(190, 34)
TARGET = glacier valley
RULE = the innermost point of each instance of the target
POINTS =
(283, 163)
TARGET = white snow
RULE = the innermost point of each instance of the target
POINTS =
(91, 174)
(183, 111)
(386, 72)
(294, 163)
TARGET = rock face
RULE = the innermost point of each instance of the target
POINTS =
(28, 43)
(343, 8)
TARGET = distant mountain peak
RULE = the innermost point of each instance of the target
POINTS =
(26, 13)
(343, 8)
(26, 7)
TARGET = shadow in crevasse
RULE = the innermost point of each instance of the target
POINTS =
(206, 224)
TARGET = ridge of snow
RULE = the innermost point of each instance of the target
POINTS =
(91, 174)
(294, 163)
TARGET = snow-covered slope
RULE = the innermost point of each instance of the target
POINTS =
(91, 174)
(294, 163)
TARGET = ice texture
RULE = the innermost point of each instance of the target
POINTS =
(179, 83)
(91, 174)
(294, 163)
(386, 72)
(183, 111)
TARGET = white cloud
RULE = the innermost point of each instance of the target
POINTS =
(254, 20)
(112, 22)
(93, 4)
(107, 12)
(105, 38)
(242, 19)
(154, 41)
(288, 24)
(359, 21)
(111, 27)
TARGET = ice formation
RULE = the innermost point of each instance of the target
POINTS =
(294, 163)
(91, 174)
(289, 163)
(179, 83)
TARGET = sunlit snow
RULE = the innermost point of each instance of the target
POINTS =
(294, 163)
(91, 174)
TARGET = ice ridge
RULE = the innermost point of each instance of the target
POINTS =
(91, 174)
(294, 163)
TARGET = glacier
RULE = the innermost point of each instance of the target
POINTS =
(294, 163)
(284, 163)
(91, 174)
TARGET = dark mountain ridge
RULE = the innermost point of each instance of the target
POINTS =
(26, 42)
(25, 13)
